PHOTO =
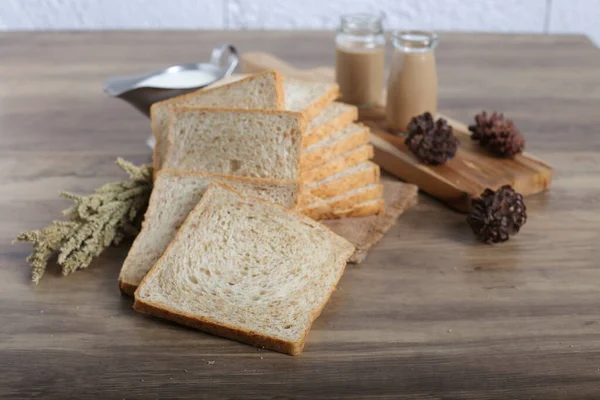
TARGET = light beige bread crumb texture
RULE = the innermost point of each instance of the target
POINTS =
(174, 195)
(246, 270)
(307, 97)
(261, 91)
(254, 143)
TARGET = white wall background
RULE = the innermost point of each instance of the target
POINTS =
(538, 16)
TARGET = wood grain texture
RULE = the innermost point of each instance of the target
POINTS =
(463, 177)
(430, 314)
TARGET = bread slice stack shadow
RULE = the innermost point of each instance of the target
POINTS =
(229, 243)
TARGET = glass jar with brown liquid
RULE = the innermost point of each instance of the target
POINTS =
(360, 59)
(412, 84)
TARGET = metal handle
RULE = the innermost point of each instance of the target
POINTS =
(226, 58)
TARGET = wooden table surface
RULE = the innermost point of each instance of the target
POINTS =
(430, 314)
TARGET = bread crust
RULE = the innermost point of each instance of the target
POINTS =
(330, 127)
(280, 99)
(321, 156)
(231, 332)
(299, 118)
(228, 332)
(327, 98)
(158, 155)
(338, 164)
(127, 288)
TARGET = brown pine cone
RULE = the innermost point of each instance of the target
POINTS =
(498, 135)
(496, 216)
(432, 142)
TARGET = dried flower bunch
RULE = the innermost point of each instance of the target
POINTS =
(500, 136)
(497, 215)
(106, 217)
(431, 141)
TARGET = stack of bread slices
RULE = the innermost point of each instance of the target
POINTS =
(229, 244)
(337, 179)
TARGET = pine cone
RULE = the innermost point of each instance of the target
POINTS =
(498, 135)
(497, 215)
(432, 142)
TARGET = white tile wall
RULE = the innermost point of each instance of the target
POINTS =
(474, 15)
(575, 16)
(111, 14)
(480, 15)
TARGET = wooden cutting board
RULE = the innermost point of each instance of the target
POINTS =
(468, 174)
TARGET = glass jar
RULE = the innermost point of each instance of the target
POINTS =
(412, 84)
(360, 59)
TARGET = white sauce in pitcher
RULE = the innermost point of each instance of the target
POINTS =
(178, 80)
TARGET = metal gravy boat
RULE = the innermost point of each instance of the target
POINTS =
(223, 61)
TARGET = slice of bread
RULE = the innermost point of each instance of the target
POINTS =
(333, 118)
(174, 195)
(309, 98)
(342, 141)
(351, 178)
(254, 143)
(343, 204)
(337, 164)
(261, 91)
(246, 270)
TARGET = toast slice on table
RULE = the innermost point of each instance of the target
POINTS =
(342, 141)
(254, 143)
(349, 204)
(351, 178)
(307, 97)
(247, 270)
(175, 194)
(333, 118)
(261, 91)
(338, 164)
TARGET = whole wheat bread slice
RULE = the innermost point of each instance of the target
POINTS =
(351, 178)
(261, 91)
(246, 270)
(314, 100)
(333, 118)
(345, 205)
(342, 141)
(307, 97)
(338, 164)
(174, 195)
(255, 143)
